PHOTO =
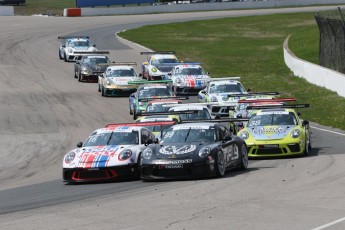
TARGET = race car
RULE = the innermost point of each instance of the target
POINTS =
(145, 92)
(71, 44)
(159, 65)
(241, 111)
(109, 153)
(114, 81)
(162, 123)
(193, 150)
(155, 105)
(87, 67)
(276, 131)
(188, 78)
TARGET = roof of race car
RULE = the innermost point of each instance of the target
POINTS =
(188, 107)
(224, 82)
(199, 125)
(163, 56)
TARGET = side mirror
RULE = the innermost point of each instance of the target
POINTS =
(227, 138)
(94, 45)
(63, 46)
(203, 91)
(299, 114)
(156, 141)
(248, 90)
(305, 122)
(217, 117)
(80, 144)
(140, 75)
(132, 95)
(169, 74)
(148, 141)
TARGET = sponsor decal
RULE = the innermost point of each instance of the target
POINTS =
(266, 130)
(173, 162)
(177, 150)
(179, 166)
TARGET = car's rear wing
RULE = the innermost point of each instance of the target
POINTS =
(273, 100)
(117, 63)
(170, 113)
(157, 52)
(141, 82)
(71, 37)
(253, 94)
(193, 103)
(150, 123)
(92, 52)
(221, 79)
(216, 120)
(293, 106)
(146, 99)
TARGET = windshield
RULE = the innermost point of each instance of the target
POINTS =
(113, 138)
(198, 114)
(122, 73)
(95, 61)
(190, 71)
(189, 134)
(227, 88)
(80, 43)
(151, 92)
(164, 61)
(272, 118)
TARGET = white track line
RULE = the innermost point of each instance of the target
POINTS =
(342, 134)
(329, 224)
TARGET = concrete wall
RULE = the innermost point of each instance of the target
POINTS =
(203, 7)
(313, 73)
(6, 10)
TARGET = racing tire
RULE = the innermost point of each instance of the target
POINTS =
(306, 147)
(60, 55)
(219, 166)
(138, 175)
(75, 74)
(130, 111)
(135, 116)
(103, 92)
(243, 157)
(99, 88)
(64, 57)
(79, 77)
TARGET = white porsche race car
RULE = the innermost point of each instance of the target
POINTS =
(159, 65)
(109, 153)
(71, 45)
(188, 78)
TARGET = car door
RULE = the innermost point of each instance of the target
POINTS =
(227, 145)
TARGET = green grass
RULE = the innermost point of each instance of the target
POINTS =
(251, 47)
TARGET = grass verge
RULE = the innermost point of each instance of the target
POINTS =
(251, 47)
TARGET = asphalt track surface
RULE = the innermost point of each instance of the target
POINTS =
(44, 112)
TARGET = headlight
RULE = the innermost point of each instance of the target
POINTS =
(108, 82)
(295, 133)
(85, 69)
(244, 135)
(69, 157)
(205, 151)
(70, 50)
(147, 154)
(154, 69)
(125, 154)
(178, 80)
(214, 99)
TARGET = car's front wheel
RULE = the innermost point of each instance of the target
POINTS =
(80, 77)
(244, 157)
(219, 164)
(135, 116)
(103, 92)
(60, 55)
(99, 88)
(65, 57)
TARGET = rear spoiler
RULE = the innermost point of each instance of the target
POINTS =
(92, 52)
(295, 106)
(148, 82)
(146, 99)
(253, 94)
(170, 113)
(157, 52)
(216, 120)
(153, 123)
(70, 37)
(117, 63)
(266, 100)
(193, 103)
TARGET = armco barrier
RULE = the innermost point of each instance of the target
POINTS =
(203, 7)
(313, 73)
(72, 12)
(6, 10)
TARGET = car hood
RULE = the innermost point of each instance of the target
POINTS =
(270, 132)
(98, 156)
(176, 150)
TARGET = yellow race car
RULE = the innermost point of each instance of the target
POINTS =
(276, 131)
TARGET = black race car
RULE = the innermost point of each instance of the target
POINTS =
(193, 150)
(90, 65)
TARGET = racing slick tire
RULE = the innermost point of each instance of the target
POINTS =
(99, 88)
(79, 77)
(219, 166)
(60, 55)
(64, 57)
(130, 111)
(307, 147)
(243, 157)
(75, 74)
(135, 116)
(139, 167)
(103, 92)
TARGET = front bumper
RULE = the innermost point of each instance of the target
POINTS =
(99, 174)
(89, 77)
(274, 149)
